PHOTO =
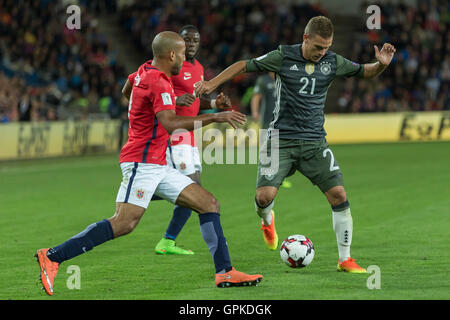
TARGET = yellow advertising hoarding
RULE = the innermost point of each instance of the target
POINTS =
(27, 140)
(350, 128)
(388, 127)
(51, 139)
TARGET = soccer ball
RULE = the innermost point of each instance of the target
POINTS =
(297, 251)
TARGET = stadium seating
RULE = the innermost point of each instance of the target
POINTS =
(419, 76)
(48, 72)
(230, 30)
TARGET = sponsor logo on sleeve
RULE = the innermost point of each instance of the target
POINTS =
(167, 100)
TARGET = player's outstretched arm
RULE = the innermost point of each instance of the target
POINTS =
(384, 58)
(171, 121)
(229, 73)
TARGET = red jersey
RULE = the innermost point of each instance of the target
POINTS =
(183, 83)
(147, 139)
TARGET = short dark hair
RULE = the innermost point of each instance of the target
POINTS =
(320, 25)
(188, 27)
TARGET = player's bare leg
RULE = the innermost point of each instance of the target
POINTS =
(343, 226)
(264, 201)
(180, 216)
(196, 177)
(126, 218)
(198, 199)
(206, 205)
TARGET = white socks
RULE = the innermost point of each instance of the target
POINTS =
(264, 213)
(343, 226)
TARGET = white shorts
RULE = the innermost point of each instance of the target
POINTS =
(185, 158)
(142, 180)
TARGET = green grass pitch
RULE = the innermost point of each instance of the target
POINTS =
(399, 196)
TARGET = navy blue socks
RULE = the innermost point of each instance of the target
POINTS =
(100, 232)
(94, 235)
(213, 235)
(179, 218)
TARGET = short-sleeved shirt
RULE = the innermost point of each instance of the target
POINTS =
(301, 88)
(183, 83)
(152, 92)
(265, 86)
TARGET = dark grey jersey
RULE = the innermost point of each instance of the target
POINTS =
(301, 88)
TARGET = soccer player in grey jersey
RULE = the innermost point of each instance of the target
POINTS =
(303, 74)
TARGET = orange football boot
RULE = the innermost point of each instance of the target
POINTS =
(350, 265)
(270, 234)
(49, 269)
(234, 278)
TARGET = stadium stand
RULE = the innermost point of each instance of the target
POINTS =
(419, 78)
(48, 72)
(230, 30)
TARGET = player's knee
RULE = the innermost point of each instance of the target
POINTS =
(341, 196)
(211, 205)
(337, 196)
(264, 198)
(265, 195)
(215, 206)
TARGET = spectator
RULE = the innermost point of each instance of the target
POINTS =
(419, 77)
(59, 67)
(231, 30)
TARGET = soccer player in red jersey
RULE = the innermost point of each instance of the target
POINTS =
(182, 153)
(152, 118)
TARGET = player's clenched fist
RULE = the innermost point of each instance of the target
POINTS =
(232, 117)
(185, 100)
(223, 101)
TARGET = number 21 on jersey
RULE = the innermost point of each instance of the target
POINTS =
(305, 81)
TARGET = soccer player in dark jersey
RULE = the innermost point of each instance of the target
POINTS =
(262, 105)
(143, 162)
(303, 74)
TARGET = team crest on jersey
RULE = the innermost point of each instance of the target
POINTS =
(309, 68)
(325, 68)
(182, 166)
(140, 193)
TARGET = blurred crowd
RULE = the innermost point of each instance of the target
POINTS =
(418, 78)
(230, 30)
(49, 72)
